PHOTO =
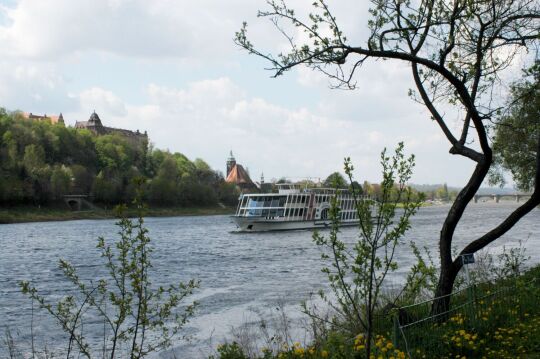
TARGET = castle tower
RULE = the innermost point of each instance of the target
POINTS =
(231, 162)
(94, 120)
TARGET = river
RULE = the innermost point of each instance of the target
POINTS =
(240, 273)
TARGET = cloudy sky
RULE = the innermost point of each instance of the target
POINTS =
(170, 67)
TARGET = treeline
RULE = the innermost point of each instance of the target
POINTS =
(374, 190)
(41, 162)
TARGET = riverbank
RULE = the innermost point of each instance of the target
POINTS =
(46, 214)
(497, 319)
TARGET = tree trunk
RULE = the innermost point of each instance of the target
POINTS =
(444, 288)
(449, 268)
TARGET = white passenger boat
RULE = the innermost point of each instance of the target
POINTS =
(293, 207)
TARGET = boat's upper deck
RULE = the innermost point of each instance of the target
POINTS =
(295, 188)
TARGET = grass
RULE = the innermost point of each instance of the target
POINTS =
(21, 214)
(503, 321)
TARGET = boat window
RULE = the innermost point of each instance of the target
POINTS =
(280, 213)
(301, 212)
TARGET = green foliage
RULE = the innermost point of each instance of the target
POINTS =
(60, 181)
(230, 351)
(335, 180)
(421, 279)
(34, 158)
(138, 317)
(517, 133)
(40, 162)
(356, 272)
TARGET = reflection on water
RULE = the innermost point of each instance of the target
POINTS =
(238, 272)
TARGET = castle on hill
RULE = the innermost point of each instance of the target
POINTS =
(55, 120)
(94, 125)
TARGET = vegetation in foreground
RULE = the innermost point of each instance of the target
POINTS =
(503, 321)
(135, 316)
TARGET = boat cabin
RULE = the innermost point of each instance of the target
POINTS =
(295, 202)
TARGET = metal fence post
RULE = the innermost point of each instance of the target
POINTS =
(395, 333)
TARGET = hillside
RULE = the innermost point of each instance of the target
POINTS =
(41, 162)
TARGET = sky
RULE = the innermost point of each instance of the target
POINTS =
(170, 67)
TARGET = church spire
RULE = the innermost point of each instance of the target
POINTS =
(231, 162)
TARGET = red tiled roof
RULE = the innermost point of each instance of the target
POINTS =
(238, 175)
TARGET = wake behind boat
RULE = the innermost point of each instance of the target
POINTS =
(293, 207)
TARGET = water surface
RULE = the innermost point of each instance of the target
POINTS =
(239, 273)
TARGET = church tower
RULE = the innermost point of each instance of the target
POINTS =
(231, 162)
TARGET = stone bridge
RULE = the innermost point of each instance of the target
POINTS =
(78, 202)
(497, 197)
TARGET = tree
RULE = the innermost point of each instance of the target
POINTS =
(515, 144)
(357, 187)
(458, 51)
(164, 187)
(34, 158)
(357, 271)
(335, 180)
(60, 182)
(138, 317)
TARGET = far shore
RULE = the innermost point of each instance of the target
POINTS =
(25, 214)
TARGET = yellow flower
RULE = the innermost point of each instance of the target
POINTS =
(299, 351)
(324, 354)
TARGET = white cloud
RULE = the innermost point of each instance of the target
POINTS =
(170, 67)
(56, 28)
(96, 97)
(207, 118)
(32, 87)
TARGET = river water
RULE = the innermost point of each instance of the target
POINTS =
(240, 273)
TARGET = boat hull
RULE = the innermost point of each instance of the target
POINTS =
(255, 224)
